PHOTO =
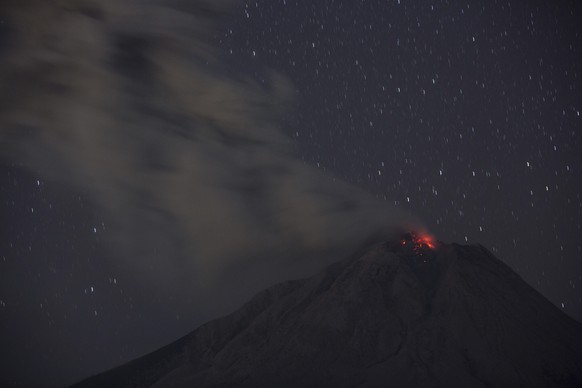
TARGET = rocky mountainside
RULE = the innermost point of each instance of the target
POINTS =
(407, 313)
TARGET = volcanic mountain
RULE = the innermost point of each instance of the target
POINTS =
(406, 313)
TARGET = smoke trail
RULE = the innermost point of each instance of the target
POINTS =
(129, 101)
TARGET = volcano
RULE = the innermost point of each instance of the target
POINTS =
(405, 313)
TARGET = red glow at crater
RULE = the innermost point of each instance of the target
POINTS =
(426, 240)
(418, 241)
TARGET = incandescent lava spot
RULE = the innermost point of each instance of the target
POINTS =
(426, 240)
(420, 244)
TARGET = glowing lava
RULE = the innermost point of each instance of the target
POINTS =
(426, 240)
(418, 242)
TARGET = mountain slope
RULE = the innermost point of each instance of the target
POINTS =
(395, 313)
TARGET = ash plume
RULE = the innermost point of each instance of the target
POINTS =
(129, 102)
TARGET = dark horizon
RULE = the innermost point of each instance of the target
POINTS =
(411, 312)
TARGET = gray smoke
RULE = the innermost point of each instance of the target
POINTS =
(128, 101)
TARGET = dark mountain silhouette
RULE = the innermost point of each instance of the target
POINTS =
(408, 313)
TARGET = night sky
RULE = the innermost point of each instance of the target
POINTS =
(463, 115)
(466, 113)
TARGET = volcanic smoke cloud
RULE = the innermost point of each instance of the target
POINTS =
(128, 101)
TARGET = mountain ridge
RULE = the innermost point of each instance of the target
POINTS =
(399, 312)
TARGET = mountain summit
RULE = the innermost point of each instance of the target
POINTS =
(405, 313)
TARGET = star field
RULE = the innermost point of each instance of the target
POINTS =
(466, 113)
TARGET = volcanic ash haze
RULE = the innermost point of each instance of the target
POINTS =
(398, 314)
(201, 193)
